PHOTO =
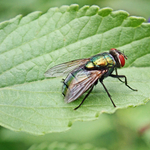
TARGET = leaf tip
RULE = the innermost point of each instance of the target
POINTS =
(13, 20)
(92, 10)
(121, 12)
(105, 11)
(71, 8)
(82, 11)
(30, 17)
(74, 7)
(133, 21)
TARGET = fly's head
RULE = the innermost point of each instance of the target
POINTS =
(119, 57)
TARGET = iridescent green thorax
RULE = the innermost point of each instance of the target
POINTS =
(101, 61)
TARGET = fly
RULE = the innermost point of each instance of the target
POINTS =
(84, 74)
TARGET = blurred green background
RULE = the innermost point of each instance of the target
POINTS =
(11, 8)
(127, 129)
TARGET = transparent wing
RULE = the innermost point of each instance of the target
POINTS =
(65, 68)
(82, 83)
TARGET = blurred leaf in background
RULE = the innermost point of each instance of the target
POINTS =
(10, 9)
(135, 7)
(120, 130)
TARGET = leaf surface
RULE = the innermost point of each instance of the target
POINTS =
(63, 146)
(32, 44)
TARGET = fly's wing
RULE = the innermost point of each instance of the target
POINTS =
(65, 68)
(82, 83)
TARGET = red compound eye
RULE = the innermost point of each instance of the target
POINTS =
(122, 60)
(112, 49)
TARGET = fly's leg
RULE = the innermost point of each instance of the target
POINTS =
(85, 96)
(107, 93)
(117, 75)
(122, 76)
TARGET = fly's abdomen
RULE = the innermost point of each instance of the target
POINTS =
(74, 78)
(100, 61)
(66, 83)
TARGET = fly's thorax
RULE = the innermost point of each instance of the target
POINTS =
(89, 65)
(100, 61)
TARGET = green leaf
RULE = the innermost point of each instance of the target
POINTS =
(32, 44)
(137, 120)
(128, 5)
(63, 146)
